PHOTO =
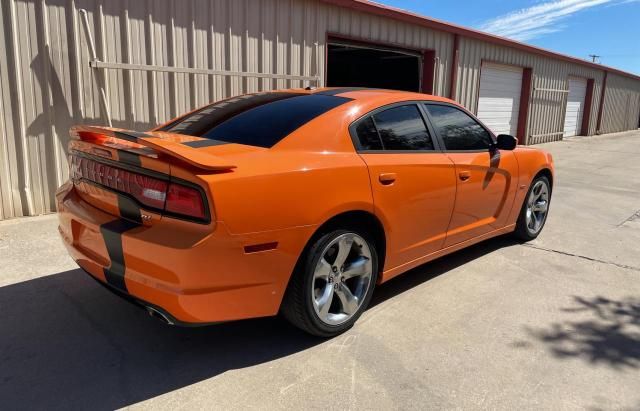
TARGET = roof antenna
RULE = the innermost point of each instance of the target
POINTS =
(594, 57)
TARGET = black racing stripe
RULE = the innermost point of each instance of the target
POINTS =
(341, 90)
(129, 209)
(129, 158)
(130, 218)
(132, 136)
(126, 136)
(112, 234)
(204, 143)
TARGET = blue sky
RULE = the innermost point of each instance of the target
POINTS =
(609, 28)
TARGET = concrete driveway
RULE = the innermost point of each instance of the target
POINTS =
(554, 324)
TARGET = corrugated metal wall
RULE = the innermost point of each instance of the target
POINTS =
(621, 104)
(46, 84)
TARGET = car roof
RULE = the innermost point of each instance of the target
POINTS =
(338, 106)
(365, 94)
(361, 101)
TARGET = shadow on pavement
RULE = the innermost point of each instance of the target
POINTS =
(66, 343)
(611, 336)
(428, 271)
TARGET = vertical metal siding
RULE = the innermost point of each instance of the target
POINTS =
(9, 197)
(46, 84)
(621, 109)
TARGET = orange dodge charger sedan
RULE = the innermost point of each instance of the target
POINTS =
(296, 201)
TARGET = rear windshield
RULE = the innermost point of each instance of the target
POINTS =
(255, 119)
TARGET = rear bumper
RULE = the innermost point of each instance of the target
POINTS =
(190, 273)
(145, 305)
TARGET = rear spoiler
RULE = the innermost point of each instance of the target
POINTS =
(157, 142)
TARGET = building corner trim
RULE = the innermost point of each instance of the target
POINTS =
(588, 102)
(601, 105)
(523, 111)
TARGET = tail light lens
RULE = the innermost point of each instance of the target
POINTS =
(151, 192)
(184, 200)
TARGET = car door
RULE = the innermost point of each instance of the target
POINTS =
(485, 176)
(412, 181)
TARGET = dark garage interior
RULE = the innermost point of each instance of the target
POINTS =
(360, 66)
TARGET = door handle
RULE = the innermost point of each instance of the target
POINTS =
(387, 178)
(464, 175)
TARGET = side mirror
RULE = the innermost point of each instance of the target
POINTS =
(506, 142)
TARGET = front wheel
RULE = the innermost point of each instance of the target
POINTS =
(534, 210)
(333, 284)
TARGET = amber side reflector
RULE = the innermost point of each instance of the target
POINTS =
(256, 248)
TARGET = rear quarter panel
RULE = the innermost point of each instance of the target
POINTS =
(305, 179)
(289, 189)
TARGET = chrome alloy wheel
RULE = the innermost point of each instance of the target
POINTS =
(341, 278)
(537, 206)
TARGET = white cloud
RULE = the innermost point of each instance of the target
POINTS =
(544, 18)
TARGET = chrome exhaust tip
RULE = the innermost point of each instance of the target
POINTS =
(159, 315)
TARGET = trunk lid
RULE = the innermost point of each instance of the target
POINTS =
(122, 171)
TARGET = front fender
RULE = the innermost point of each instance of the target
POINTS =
(531, 162)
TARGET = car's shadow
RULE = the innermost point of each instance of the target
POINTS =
(66, 343)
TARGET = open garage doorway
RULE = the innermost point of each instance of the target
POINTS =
(355, 64)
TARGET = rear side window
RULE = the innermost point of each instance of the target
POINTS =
(402, 128)
(368, 135)
(258, 120)
(457, 129)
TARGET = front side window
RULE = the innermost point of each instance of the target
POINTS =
(398, 128)
(457, 129)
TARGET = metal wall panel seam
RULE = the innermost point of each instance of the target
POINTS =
(49, 151)
(130, 106)
(7, 148)
(25, 187)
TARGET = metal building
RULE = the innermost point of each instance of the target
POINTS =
(155, 59)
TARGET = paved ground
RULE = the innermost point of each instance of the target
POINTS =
(554, 324)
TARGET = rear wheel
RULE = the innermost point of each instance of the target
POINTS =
(333, 284)
(534, 210)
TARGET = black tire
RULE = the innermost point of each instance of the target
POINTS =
(297, 305)
(523, 232)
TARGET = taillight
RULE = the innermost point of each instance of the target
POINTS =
(185, 201)
(148, 190)
(155, 193)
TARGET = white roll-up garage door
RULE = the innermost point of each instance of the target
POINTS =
(575, 106)
(499, 97)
